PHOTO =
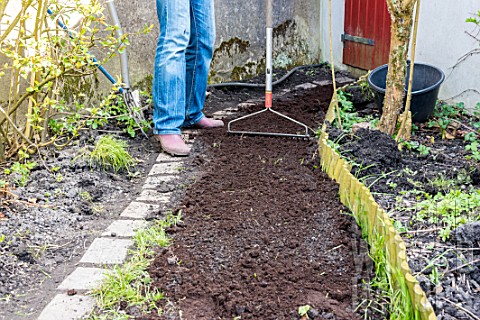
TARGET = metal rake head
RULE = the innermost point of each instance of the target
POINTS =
(277, 134)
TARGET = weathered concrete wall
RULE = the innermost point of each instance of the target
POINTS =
(442, 41)
(240, 45)
(240, 25)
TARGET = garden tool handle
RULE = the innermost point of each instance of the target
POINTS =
(268, 60)
(94, 60)
(269, 9)
(123, 53)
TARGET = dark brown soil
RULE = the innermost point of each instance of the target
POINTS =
(263, 230)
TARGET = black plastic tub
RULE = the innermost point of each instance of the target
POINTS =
(426, 84)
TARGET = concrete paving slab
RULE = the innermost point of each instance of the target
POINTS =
(343, 80)
(154, 196)
(222, 114)
(64, 307)
(107, 251)
(139, 210)
(83, 279)
(124, 228)
(305, 86)
(323, 82)
(153, 182)
(164, 157)
(165, 168)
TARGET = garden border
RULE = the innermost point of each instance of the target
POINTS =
(373, 220)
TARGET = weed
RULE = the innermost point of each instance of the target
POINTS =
(444, 114)
(110, 152)
(441, 182)
(366, 90)
(450, 210)
(423, 150)
(415, 146)
(399, 226)
(122, 114)
(85, 195)
(98, 208)
(473, 147)
(303, 310)
(390, 285)
(347, 112)
(21, 171)
(59, 177)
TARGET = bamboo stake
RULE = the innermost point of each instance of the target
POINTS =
(335, 97)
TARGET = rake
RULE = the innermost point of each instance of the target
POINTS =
(131, 98)
(268, 89)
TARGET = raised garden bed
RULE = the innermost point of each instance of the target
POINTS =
(431, 191)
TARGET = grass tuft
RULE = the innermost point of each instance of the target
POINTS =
(129, 285)
(110, 152)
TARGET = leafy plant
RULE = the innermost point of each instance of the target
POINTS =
(51, 75)
(414, 145)
(303, 311)
(444, 114)
(110, 152)
(22, 171)
(476, 114)
(474, 19)
(472, 146)
(348, 115)
(474, 150)
(449, 210)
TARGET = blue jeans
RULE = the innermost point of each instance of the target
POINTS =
(182, 63)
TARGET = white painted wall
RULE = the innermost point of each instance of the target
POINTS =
(338, 21)
(442, 41)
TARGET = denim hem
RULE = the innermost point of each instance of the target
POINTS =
(170, 131)
(193, 122)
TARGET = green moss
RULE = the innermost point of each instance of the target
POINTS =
(145, 84)
(243, 72)
(284, 29)
(231, 47)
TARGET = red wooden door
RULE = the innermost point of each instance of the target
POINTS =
(367, 33)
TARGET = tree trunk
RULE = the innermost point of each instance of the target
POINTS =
(401, 13)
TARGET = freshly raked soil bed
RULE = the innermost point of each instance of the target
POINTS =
(264, 231)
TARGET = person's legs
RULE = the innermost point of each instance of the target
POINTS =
(198, 55)
(170, 66)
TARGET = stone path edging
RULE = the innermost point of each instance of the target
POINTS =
(112, 246)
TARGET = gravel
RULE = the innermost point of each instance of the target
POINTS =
(50, 221)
